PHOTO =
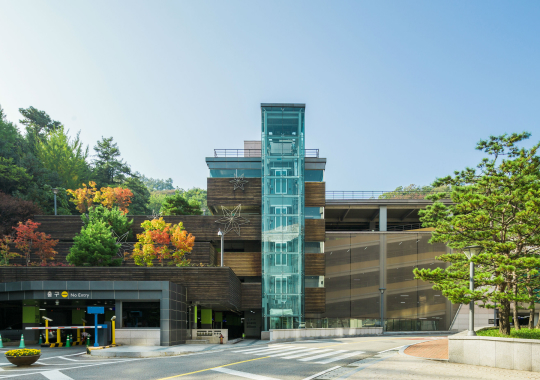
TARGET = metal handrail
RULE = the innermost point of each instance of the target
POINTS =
(392, 194)
(255, 153)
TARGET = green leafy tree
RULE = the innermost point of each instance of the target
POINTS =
(156, 184)
(38, 125)
(177, 204)
(114, 218)
(109, 169)
(95, 246)
(157, 198)
(196, 194)
(141, 196)
(496, 206)
(12, 143)
(413, 192)
(67, 157)
(12, 177)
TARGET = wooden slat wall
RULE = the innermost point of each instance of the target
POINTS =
(315, 264)
(251, 295)
(213, 287)
(315, 300)
(242, 263)
(315, 230)
(221, 193)
(315, 194)
(203, 227)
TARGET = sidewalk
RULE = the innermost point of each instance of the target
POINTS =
(182, 349)
(434, 349)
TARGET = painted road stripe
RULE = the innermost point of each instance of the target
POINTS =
(259, 348)
(321, 356)
(288, 353)
(55, 375)
(305, 354)
(344, 356)
(243, 374)
(288, 349)
(321, 373)
(275, 349)
(390, 349)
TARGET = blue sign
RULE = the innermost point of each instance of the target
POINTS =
(96, 310)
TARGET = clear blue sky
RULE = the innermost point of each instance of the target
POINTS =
(397, 92)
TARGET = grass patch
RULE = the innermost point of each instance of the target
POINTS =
(518, 334)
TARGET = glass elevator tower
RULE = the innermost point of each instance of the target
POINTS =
(282, 153)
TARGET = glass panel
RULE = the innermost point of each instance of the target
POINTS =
(314, 212)
(314, 175)
(314, 247)
(140, 314)
(314, 281)
(229, 173)
(282, 217)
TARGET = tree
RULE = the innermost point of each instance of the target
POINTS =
(496, 206)
(14, 210)
(12, 144)
(161, 240)
(12, 177)
(95, 245)
(177, 204)
(5, 251)
(156, 184)
(114, 218)
(156, 200)
(38, 125)
(413, 192)
(67, 157)
(27, 239)
(87, 197)
(141, 196)
(198, 195)
(109, 169)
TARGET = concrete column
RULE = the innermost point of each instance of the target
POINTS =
(194, 317)
(118, 313)
(383, 219)
(206, 318)
(382, 272)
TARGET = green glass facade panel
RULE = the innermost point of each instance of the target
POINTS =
(314, 175)
(282, 259)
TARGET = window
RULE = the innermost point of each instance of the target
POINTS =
(140, 314)
(281, 288)
(281, 258)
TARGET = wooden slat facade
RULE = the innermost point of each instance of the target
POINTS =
(315, 230)
(251, 295)
(217, 288)
(221, 193)
(315, 300)
(242, 263)
(315, 194)
(315, 264)
(203, 227)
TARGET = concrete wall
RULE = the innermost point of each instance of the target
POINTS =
(285, 335)
(139, 337)
(211, 335)
(508, 353)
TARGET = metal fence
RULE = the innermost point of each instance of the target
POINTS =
(396, 194)
(314, 153)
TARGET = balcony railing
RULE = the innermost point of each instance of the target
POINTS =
(255, 153)
(396, 194)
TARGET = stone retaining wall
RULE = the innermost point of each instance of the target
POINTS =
(138, 337)
(508, 353)
(285, 335)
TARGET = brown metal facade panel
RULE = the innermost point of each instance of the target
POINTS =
(315, 230)
(242, 263)
(315, 194)
(315, 264)
(221, 193)
(203, 227)
(251, 295)
(315, 300)
(217, 288)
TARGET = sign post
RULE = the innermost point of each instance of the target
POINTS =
(96, 310)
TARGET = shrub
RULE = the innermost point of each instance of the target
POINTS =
(23, 352)
(114, 217)
(94, 246)
(522, 333)
(13, 211)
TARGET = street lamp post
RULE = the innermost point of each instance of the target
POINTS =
(222, 235)
(55, 191)
(470, 251)
(382, 306)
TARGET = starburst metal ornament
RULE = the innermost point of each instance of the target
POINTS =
(124, 245)
(238, 182)
(155, 215)
(232, 220)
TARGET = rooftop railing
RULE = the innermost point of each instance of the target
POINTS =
(396, 194)
(255, 153)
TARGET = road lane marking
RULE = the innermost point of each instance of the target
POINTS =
(321, 373)
(208, 369)
(304, 354)
(390, 349)
(71, 360)
(295, 352)
(344, 356)
(243, 374)
(55, 375)
(260, 349)
(321, 355)
(288, 349)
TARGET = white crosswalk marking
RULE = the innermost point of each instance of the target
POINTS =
(242, 374)
(336, 358)
(289, 353)
(55, 375)
(305, 354)
(321, 356)
(289, 349)
(259, 349)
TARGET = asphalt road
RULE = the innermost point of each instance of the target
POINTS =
(287, 361)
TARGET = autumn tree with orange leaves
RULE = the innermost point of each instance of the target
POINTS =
(88, 196)
(161, 241)
(28, 240)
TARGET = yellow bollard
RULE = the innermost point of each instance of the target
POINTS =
(78, 335)
(113, 319)
(58, 337)
(46, 331)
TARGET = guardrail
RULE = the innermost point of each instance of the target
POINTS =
(314, 153)
(396, 194)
